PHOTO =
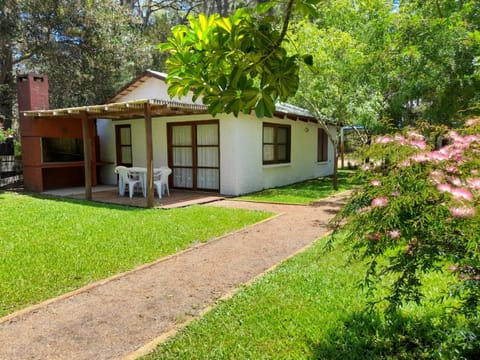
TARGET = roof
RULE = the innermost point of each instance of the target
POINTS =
(293, 112)
(158, 107)
(281, 109)
(124, 110)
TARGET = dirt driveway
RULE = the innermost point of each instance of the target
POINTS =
(126, 315)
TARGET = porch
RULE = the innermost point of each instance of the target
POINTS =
(109, 194)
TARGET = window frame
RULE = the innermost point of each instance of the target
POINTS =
(322, 145)
(276, 143)
(119, 145)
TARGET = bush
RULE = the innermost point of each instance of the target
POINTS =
(417, 214)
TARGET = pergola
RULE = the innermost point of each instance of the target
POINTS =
(136, 109)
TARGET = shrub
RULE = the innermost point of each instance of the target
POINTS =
(419, 213)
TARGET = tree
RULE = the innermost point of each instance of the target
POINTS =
(236, 63)
(341, 85)
(95, 51)
(419, 213)
(86, 49)
(9, 14)
(435, 52)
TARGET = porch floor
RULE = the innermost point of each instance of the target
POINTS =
(109, 194)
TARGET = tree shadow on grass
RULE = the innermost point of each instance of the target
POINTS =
(83, 202)
(369, 335)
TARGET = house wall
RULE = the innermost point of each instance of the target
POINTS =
(156, 89)
(241, 168)
(247, 164)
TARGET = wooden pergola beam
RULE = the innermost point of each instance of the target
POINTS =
(149, 144)
(87, 155)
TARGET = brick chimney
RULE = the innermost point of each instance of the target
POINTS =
(32, 91)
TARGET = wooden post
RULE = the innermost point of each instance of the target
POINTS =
(87, 155)
(148, 135)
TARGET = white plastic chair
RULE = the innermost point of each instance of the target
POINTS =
(161, 180)
(124, 179)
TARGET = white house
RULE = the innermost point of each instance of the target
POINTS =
(227, 154)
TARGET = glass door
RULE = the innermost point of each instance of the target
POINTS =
(194, 155)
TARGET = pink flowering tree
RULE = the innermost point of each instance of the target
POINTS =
(419, 213)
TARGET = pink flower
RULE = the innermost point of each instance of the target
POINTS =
(462, 212)
(421, 144)
(471, 138)
(474, 171)
(461, 193)
(454, 136)
(452, 169)
(400, 139)
(395, 193)
(444, 188)
(420, 158)
(394, 234)
(380, 202)
(384, 139)
(453, 268)
(474, 183)
(437, 176)
(455, 181)
(472, 122)
(375, 183)
(437, 156)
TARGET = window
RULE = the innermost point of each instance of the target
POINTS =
(123, 138)
(322, 145)
(276, 143)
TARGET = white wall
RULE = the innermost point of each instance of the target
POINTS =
(154, 88)
(254, 176)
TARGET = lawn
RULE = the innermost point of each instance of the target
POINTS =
(304, 192)
(311, 307)
(51, 246)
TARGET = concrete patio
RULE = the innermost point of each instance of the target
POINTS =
(109, 194)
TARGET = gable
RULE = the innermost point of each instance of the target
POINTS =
(150, 85)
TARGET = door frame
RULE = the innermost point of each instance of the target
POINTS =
(194, 146)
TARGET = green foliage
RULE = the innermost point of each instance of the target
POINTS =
(4, 134)
(91, 50)
(234, 63)
(49, 246)
(434, 61)
(335, 83)
(418, 213)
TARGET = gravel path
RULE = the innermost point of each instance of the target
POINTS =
(114, 318)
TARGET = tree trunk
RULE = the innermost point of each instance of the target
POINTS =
(7, 86)
(335, 168)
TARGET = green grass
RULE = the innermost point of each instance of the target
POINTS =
(311, 307)
(50, 246)
(304, 192)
